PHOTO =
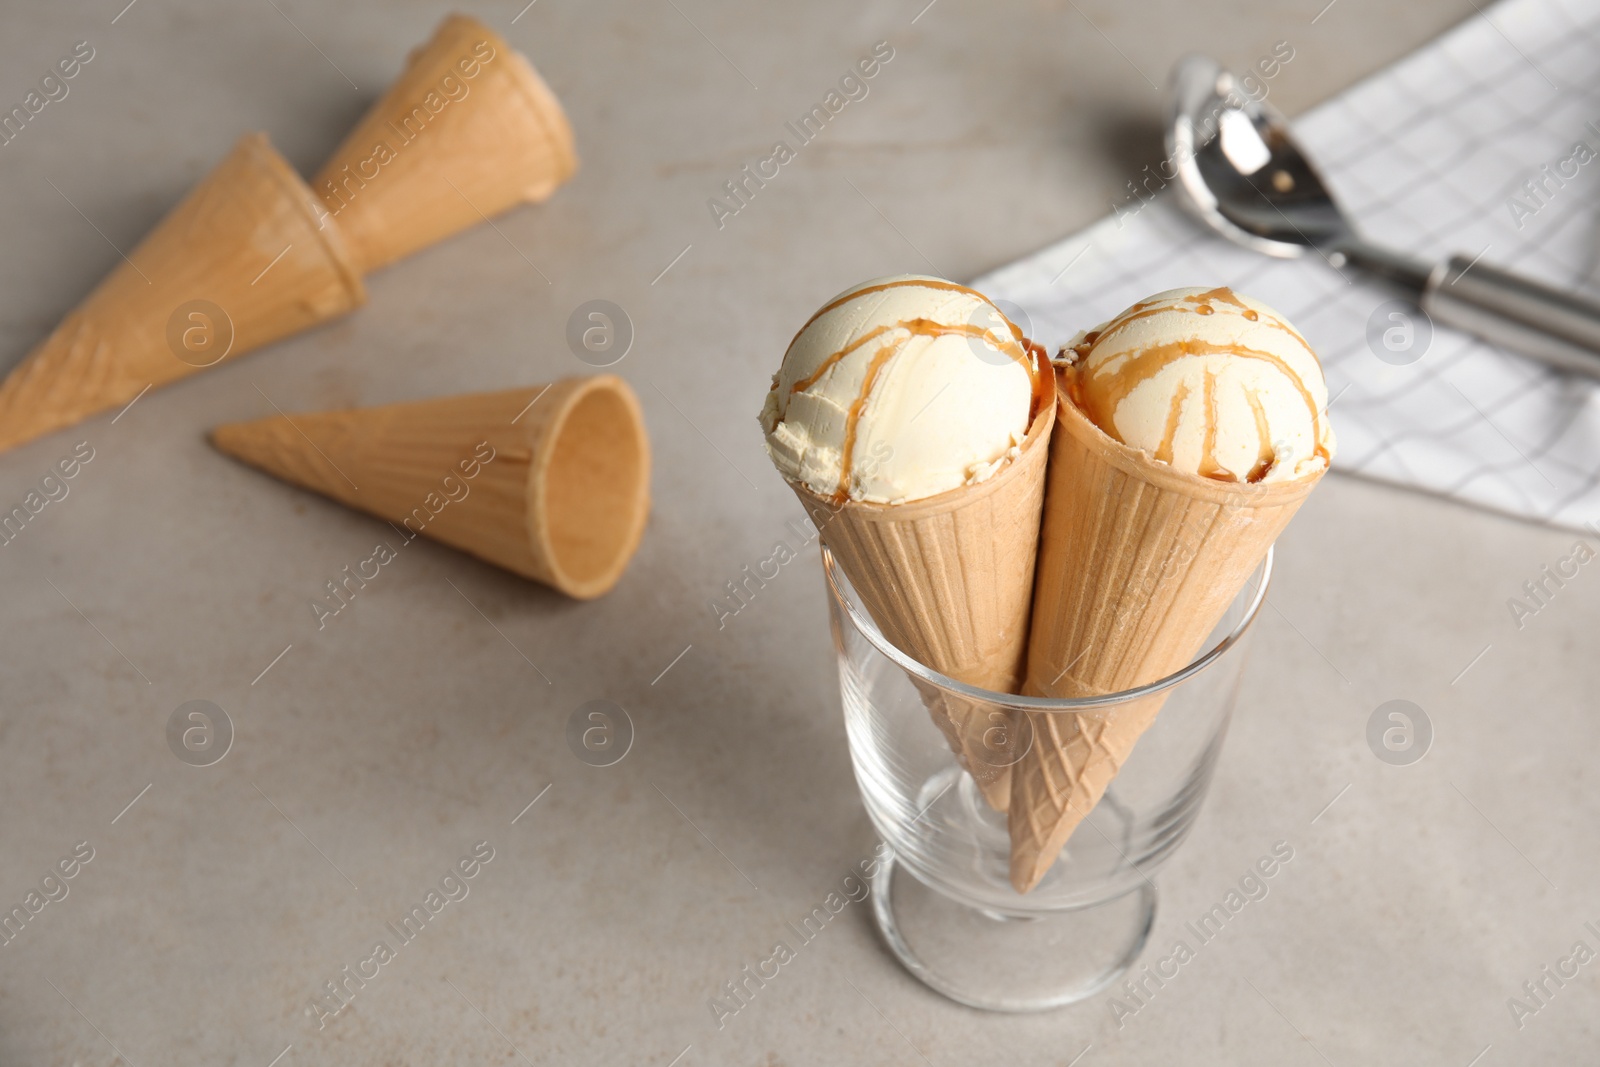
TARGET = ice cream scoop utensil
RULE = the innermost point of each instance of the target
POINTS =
(1245, 177)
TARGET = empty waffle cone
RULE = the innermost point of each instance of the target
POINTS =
(241, 261)
(948, 580)
(466, 132)
(1138, 562)
(551, 482)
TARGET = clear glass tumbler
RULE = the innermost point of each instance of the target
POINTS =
(956, 923)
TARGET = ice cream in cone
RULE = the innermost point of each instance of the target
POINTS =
(243, 260)
(1189, 429)
(466, 132)
(551, 482)
(912, 419)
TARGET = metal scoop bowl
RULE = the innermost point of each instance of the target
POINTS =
(1243, 174)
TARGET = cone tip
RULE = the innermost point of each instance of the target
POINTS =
(220, 437)
(234, 438)
(1026, 871)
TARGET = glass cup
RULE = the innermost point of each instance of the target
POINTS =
(956, 923)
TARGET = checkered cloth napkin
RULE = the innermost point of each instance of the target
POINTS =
(1485, 142)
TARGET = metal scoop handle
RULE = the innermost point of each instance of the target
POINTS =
(1554, 327)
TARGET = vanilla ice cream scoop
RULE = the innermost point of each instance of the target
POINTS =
(1210, 382)
(901, 388)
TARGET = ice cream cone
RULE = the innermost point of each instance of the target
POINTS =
(551, 482)
(1138, 561)
(241, 261)
(948, 580)
(466, 132)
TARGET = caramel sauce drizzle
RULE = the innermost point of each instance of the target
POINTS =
(903, 283)
(920, 328)
(1139, 367)
(1030, 355)
(1223, 295)
(1174, 414)
(913, 328)
(1209, 467)
(1044, 386)
(826, 365)
(852, 419)
(1201, 305)
(1268, 455)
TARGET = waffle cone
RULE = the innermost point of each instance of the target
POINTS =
(246, 241)
(1138, 562)
(551, 482)
(504, 142)
(948, 580)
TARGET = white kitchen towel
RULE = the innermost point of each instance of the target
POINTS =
(1485, 142)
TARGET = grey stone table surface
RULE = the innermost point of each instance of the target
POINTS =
(381, 749)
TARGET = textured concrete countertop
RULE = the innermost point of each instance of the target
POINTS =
(379, 751)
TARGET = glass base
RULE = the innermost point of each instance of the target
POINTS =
(997, 962)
